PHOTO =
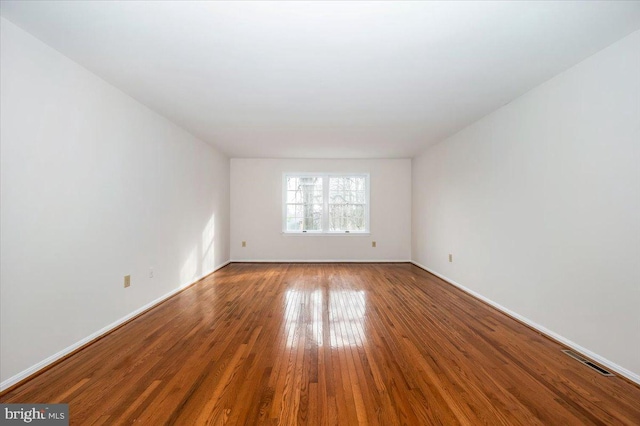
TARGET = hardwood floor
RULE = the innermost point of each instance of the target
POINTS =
(328, 344)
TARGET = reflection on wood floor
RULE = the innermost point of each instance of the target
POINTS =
(328, 344)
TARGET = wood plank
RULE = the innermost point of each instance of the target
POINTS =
(326, 344)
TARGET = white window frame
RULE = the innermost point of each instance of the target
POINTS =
(325, 201)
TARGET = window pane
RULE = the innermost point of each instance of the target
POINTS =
(294, 210)
(301, 197)
(296, 183)
(355, 217)
(312, 197)
(304, 189)
(347, 202)
(304, 203)
(347, 189)
(293, 224)
(346, 217)
(304, 217)
(336, 217)
(294, 196)
(293, 218)
(311, 217)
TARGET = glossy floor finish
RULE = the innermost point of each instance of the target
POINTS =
(329, 344)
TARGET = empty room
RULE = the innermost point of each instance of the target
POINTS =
(331, 213)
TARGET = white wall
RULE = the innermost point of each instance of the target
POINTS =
(93, 186)
(256, 212)
(539, 203)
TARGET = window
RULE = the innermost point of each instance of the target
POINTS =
(304, 203)
(326, 203)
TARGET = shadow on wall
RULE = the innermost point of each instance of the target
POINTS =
(201, 259)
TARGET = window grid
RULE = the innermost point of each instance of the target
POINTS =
(347, 202)
(304, 203)
(326, 203)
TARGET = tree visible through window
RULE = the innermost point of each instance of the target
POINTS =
(347, 203)
(326, 203)
(304, 203)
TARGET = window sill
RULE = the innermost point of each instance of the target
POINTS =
(326, 234)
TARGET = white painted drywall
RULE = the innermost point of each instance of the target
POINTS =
(256, 212)
(94, 186)
(539, 203)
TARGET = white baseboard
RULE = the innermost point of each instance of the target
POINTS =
(53, 358)
(319, 261)
(555, 336)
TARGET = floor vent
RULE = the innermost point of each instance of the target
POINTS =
(588, 363)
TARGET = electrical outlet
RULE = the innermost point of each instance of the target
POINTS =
(373, 244)
(150, 272)
(244, 244)
(450, 257)
(127, 281)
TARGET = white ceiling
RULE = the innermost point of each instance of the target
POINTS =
(325, 79)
